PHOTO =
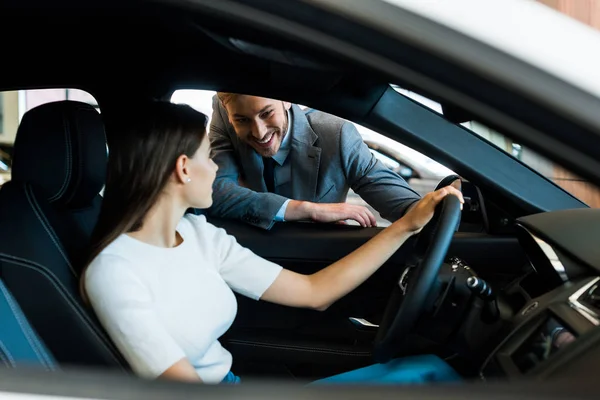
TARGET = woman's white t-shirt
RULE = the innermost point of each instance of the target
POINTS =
(160, 305)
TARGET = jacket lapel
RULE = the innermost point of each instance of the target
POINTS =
(305, 157)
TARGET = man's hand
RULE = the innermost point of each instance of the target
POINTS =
(329, 212)
(335, 212)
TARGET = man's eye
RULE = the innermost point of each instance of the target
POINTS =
(267, 114)
(241, 120)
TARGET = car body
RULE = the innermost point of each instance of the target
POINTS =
(533, 242)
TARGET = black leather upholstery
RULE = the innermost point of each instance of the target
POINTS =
(61, 147)
(47, 213)
(19, 344)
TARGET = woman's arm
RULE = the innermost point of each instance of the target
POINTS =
(321, 289)
(182, 370)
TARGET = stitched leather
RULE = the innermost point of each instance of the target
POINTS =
(44, 222)
(69, 300)
(19, 344)
(6, 357)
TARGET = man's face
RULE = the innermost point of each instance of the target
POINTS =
(260, 122)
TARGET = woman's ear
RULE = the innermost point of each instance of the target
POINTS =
(181, 169)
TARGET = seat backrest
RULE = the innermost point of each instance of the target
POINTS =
(47, 213)
(20, 346)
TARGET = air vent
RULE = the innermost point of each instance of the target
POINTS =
(591, 298)
(587, 301)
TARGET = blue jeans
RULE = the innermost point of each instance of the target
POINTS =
(406, 370)
(231, 379)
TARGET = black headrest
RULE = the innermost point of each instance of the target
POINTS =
(61, 148)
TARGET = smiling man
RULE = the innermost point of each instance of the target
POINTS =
(278, 163)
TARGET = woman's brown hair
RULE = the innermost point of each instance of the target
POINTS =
(142, 157)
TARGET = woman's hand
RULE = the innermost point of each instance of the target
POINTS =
(422, 211)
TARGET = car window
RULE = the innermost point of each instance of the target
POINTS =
(421, 172)
(13, 104)
(200, 100)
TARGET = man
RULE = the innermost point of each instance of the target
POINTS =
(278, 163)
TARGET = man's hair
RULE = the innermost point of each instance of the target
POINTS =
(226, 98)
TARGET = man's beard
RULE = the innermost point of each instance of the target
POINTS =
(282, 132)
(287, 122)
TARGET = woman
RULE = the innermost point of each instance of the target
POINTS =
(160, 281)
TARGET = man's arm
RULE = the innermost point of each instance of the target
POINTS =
(378, 185)
(230, 199)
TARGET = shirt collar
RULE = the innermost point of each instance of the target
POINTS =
(286, 144)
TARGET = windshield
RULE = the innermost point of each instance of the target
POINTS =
(575, 185)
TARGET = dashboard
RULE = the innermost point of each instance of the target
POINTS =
(556, 333)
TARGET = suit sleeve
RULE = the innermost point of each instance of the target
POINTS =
(230, 200)
(378, 185)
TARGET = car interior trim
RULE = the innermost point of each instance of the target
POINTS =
(551, 254)
(576, 303)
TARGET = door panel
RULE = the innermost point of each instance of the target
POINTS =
(276, 340)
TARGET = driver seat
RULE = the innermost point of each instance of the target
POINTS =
(48, 211)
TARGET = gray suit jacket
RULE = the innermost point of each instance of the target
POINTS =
(328, 157)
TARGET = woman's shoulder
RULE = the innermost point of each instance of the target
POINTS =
(112, 262)
(107, 263)
(193, 220)
(206, 234)
(113, 283)
(108, 275)
(196, 223)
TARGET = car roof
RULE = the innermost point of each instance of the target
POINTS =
(528, 30)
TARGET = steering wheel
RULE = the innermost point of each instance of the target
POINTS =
(417, 280)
